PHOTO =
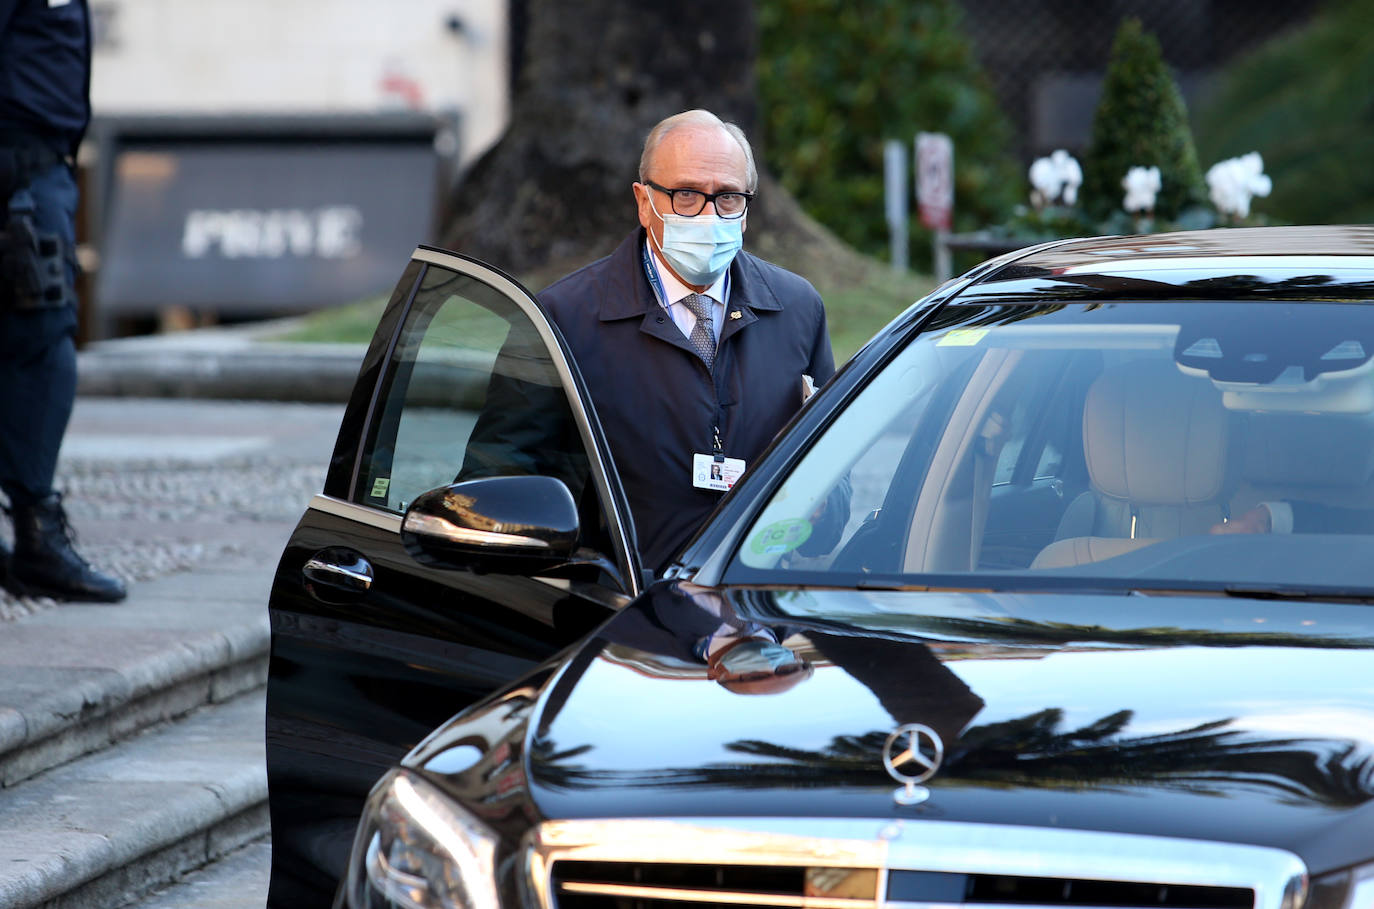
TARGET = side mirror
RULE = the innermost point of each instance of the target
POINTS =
(506, 525)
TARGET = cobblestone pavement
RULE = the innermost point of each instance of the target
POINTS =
(160, 486)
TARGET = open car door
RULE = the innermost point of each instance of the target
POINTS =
(374, 645)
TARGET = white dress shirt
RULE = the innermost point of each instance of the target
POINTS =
(674, 290)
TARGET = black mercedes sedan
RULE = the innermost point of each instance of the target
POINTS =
(1059, 594)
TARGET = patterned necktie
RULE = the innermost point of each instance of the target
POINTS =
(703, 336)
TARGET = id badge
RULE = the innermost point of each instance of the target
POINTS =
(708, 473)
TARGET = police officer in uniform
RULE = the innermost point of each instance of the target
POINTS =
(45, 65)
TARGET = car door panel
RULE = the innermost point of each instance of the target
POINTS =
(371, 650)
(349, 698)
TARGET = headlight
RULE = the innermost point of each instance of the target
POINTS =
(416, 849)
(1352, 889)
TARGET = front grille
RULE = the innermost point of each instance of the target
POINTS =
(661, 885)
(620, 885)
(1004, 890)
(590, 885)
(856, 864)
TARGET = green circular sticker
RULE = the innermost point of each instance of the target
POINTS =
(781, 536)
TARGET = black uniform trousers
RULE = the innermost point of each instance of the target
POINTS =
(38, 359)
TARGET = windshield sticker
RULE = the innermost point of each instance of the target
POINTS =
(962, 337)
(379, 487)
(781, 536)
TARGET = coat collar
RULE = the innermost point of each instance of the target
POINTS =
(627, 293)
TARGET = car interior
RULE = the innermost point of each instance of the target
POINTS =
(1061, 447)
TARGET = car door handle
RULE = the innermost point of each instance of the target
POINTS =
(341, 570)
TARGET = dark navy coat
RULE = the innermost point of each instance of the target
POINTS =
(656, 400)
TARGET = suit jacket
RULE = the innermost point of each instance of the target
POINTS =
(1309, 517)
(656, 400)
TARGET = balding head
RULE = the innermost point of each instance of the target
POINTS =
(702, 120)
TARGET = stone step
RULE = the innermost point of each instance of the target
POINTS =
(78, 678)
(113, 826)
(236, 881)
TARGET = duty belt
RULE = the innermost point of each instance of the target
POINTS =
(34, 265)
(23, 157)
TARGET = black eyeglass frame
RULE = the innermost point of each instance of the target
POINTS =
(706, 197)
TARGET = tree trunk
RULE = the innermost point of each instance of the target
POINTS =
(554, 192)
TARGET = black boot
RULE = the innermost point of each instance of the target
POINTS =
(44, 562)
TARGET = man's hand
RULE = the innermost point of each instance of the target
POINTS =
(1256, 520)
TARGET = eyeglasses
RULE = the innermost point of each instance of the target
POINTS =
(690, 202)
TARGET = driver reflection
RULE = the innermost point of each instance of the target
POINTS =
(752, 662)
(696, 624)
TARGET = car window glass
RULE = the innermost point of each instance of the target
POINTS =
(835, 505)
(1013, 450)
(1040, 427)
(1051, 462)
(1026, 445)
(1090, 441)
(470, 391)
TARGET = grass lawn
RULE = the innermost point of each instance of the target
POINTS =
(855, 312)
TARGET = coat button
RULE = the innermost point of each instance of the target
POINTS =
(659, 320)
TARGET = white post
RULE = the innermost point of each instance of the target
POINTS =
(894, 198)
(943, 265)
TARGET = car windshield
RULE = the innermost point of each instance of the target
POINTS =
(1224, 446)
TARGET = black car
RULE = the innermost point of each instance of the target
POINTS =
(1098, 629)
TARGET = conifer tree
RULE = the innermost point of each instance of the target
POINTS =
(1141, 121)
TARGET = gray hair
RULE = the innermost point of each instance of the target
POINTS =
(698, 118)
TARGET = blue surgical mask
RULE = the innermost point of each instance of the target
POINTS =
(700, 249)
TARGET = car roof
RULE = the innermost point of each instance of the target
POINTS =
(1321, 262)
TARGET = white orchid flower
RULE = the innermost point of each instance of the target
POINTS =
(1234, 182)
(1142, 185)
(1070, 173)
(1045, 182)
(1054, 178)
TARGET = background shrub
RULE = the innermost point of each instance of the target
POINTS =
(837, 78)
(1305, 102)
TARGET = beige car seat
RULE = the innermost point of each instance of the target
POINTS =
(1155, 441)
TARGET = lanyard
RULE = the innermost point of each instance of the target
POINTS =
(650, 272)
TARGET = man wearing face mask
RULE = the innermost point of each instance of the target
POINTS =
(694, 351)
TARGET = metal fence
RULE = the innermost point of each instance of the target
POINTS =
(1045, 58)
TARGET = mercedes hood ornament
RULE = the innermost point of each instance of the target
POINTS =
(912, 755)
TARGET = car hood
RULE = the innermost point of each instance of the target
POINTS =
(1201, 717)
